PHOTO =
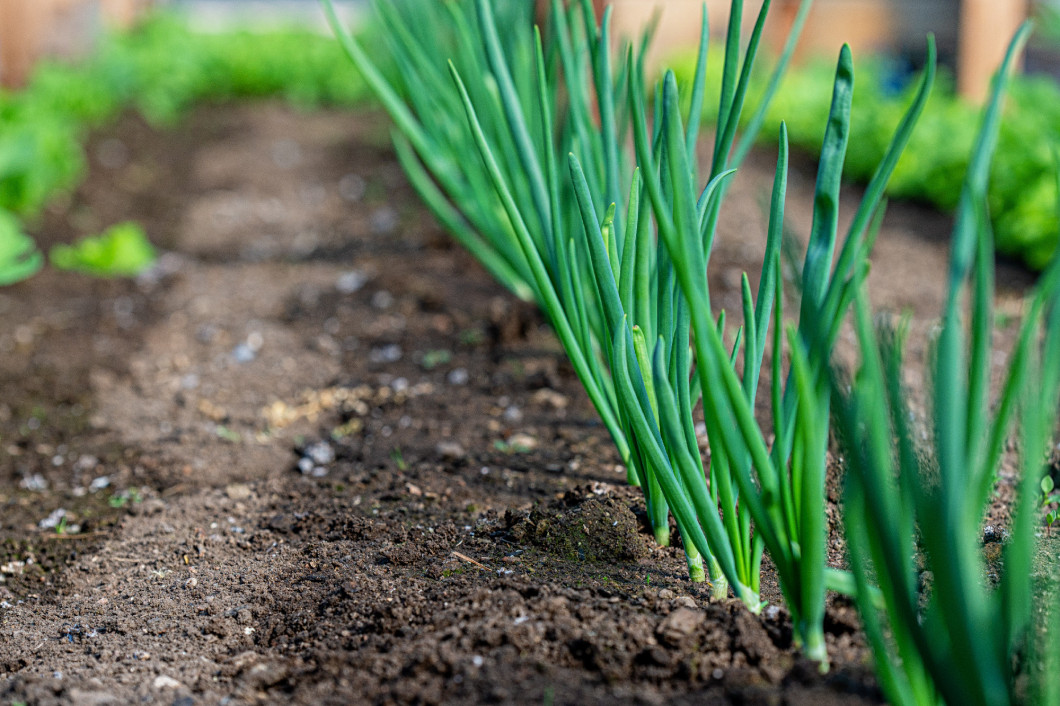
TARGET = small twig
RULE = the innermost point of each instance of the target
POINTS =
(458, 555)
(79, 535)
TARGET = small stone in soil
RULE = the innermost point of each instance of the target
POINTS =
(164, 682)
(522, 443)
(458, 376)
(243, 353)
(52, 521)
(320, 452)
(35, 482)
(350, 282)
(386, 354)
(450, 450)
(238, 491)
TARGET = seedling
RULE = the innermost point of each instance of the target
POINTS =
(433, 358)
(1050, 498)
(125, 497)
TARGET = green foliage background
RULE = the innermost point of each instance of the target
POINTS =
(161, 70)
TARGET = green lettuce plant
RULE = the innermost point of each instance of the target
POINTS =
(19, 257)
(122, 250)
(959, 639)
(162, 70)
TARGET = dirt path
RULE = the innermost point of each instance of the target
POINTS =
(318, 456)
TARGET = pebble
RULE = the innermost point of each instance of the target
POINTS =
(458, 376)
(546, 396)
(164, 682)
(238, 491)
(52, 520)
(350, 282)
(450, 450)
(35, 482)
(522, 442)
(321, 452)
(86, 463)
(386, 354)
(243, 353)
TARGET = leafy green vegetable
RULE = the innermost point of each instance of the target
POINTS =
(19, 258)
(122, 250)
(161, 70)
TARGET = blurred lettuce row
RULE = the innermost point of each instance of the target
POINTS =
(122, 250)
(1023, 187)
(19, 257)
(160, 71)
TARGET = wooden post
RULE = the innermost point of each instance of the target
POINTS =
(31, 29)
(868, 26)
(123, 14)
(986, 28)
(21, 30)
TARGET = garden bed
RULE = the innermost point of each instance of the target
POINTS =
(318, 455)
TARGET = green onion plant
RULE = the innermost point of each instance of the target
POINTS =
(780, 487)
(622, 272)
(491, 159)
(910, 503)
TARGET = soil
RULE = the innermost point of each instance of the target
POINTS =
(317, 455)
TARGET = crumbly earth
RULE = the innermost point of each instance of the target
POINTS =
(318, 456)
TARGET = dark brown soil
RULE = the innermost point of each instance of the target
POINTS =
(318, 456)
